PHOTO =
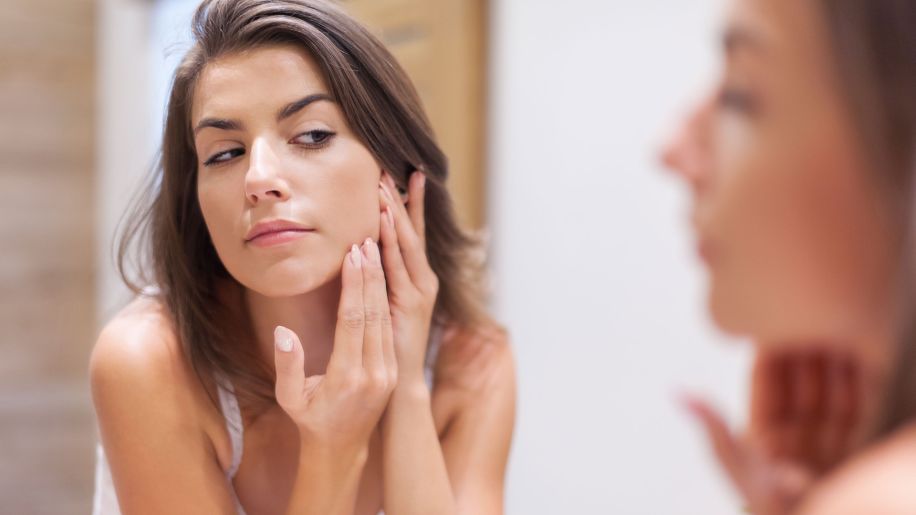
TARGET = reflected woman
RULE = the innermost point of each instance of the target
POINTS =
(311, 337)
(801, 165)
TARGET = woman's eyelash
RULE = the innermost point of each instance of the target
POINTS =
(319, 139)
(219, 159)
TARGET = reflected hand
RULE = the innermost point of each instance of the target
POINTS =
(806, 412)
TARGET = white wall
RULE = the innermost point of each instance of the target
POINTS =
(124, 144)
(593, 264)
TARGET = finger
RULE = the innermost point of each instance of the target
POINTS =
(393, 262)
(378, 316)
(852, 411)
(792, 429)
(412, 250)
(727, 449)
(812, 417)
(289, 360)
(400, 194)
(838, 408)
(770, 401)
(416, 195)
(767, 391)
(351, 316)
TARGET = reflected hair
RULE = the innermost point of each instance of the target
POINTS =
(166, 228)
(874, 44)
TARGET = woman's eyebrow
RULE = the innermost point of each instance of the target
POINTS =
(294, 107)
(217, 123)
(284, 113)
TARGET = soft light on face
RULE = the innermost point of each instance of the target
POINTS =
(273, 145)
(787, 213)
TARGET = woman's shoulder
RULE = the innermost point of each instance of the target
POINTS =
(878, 480)
(476, 358)
(138, 353)
(138, 340)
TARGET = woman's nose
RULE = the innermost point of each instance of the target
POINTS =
(688, 152)
(264, 179)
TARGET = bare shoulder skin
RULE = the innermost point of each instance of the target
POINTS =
(879, 481)
(159, 427)
(475, 395)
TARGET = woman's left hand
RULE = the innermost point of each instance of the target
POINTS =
(412, 284)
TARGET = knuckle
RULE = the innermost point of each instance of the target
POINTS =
(373, 316)
(352, 381)
(353, 318)
(379, 380)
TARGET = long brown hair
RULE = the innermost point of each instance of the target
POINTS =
(874, 44)
(384, 110)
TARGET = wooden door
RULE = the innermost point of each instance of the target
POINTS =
(47, 308)
(442, 45)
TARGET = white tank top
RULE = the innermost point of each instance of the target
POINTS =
(105, 500)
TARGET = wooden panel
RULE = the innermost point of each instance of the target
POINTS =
(47, 312)
(442, 46)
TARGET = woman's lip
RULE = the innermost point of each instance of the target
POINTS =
(275, 225)
(279, 237)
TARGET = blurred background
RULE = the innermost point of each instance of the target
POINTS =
(551, 114)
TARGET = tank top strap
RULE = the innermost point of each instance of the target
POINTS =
(436, 333)
(229, 405)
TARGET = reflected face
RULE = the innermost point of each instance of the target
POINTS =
(273, 146)
(787, 211)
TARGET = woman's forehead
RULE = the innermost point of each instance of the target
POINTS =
(264, 78)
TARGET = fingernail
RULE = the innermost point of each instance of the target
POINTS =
(355, 257)
(366, 245)
(283, 339)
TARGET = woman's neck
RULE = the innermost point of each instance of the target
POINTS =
(312, 316)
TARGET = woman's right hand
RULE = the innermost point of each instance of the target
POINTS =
(806, 414)
(337, 411)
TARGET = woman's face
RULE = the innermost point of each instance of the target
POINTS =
(787, 211)
(273, 145)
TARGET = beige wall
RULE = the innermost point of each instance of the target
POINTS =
(47, 311)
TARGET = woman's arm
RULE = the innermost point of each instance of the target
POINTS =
(477, 376)
(420, 474)
(465, 472)
(151, 425)
(416, 480)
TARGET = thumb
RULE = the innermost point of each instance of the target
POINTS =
(289, 359)
(729, 452)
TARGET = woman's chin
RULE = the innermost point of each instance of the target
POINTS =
(279, 284)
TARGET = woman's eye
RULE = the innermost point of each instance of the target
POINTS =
(314, 139)
(737, 100)
(224, 156)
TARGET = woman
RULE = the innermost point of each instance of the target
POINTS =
(312, 345)
(801, 163)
